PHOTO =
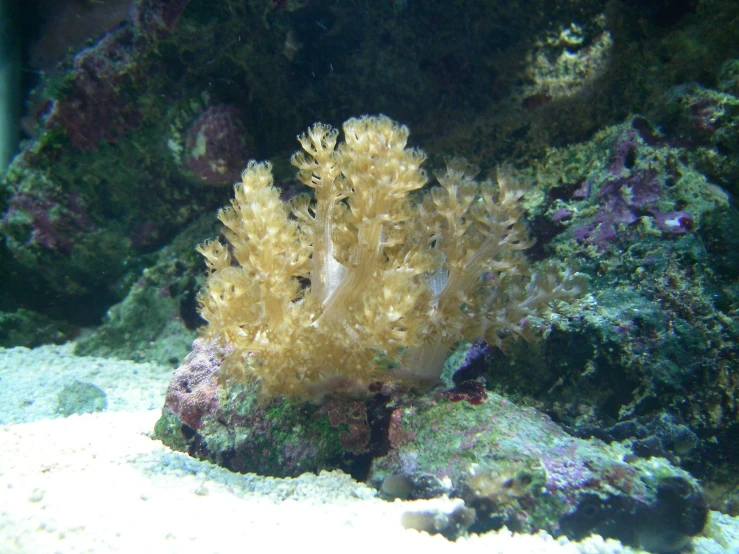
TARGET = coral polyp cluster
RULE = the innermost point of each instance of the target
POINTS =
(395, 279)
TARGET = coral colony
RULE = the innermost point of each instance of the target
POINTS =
(396, 278)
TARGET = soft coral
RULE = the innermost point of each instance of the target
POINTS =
(394, 282)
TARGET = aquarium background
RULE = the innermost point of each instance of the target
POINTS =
(131, 120)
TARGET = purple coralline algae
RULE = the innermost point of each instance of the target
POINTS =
(351, 417)
(97, 108)
(192, 392)
(52, 222)
(233, 429)
(625, 196)
(218, 145)
(515, 467)
(98, 103)
(475, 363)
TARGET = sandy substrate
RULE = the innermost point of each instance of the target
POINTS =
(98, 483)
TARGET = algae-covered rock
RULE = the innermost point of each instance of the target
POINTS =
(517, 468)
(156, 320)
(511, 466)
(81, 398)
(27, 328)
(232, 428)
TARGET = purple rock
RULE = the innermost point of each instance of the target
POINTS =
(515, 467)
(192, 392)
(218, 145)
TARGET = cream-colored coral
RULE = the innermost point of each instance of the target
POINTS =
(394, 280)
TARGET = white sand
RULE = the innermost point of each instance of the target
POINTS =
(99, 483)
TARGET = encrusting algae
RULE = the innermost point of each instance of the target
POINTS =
(395, 278)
